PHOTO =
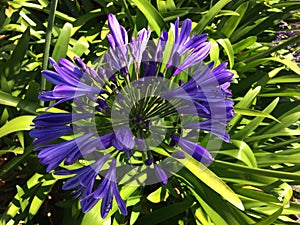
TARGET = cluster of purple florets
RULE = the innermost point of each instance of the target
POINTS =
(112, 125)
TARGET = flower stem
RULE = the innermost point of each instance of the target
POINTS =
(48, 42)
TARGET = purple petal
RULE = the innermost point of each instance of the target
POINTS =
(161, 174)
(45, 135)
(123, 140)
(119, 200)
(196, 151)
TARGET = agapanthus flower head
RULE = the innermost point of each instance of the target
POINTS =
(146, 102)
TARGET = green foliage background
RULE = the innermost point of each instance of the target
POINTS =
(250, 180)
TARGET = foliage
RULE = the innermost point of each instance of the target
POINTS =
(250, 180)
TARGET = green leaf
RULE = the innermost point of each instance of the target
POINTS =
(9, 100)
(257, 171)
(41, 194)
(214, 51)
(286, 121)
(290, 64)
(250, 127)
(16, 150)
(13, 65)
(209, 16)
(158, 196)
(80, 47)
(14, 162)
(270, 219)
(215, 217)
(285, 79)
(243, 44)
(245, 103)
(164, 6)
(17, 124)
(62, 43)
(155, 20)
(225, 43)
(212, 180)
(244, 153)
(253, 112)
(165, 213)
(232, 22)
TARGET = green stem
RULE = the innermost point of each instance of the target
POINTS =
(274, 49)
(128, 13)
(48, 42)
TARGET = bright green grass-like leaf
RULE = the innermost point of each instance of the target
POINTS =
(9, 100)
(164, 6)
(41, 194)
(258, 171)
(209, 16)
(232, 22)
(41, 8)
(62, 43)
(250, 127)
(214, 51)
(215, 217)
(158, 195)
(270, 219)
(212, 180)
(201, 217)
(285, 79)
(80, 47)
(212, 203)
(225, 43)
(256, 194)
(243, 44)
(245, 103)
(245, 153)
(21, 199)
(252, 112)
(288, 63)
(13, 65)
(16, 150)
(17, 124)
(273, 159)
(282, 93)
(286, 121)
(155, 20)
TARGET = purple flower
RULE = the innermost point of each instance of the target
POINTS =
(161, 174)
(106, 191)
(125, 114)
(196, 151)
(85, 177)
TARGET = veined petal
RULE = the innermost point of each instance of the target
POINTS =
(161, 174)
(53, 77)
(58, 119)
(123, 140)
(119, 200)
(48, 134)
(196, 151)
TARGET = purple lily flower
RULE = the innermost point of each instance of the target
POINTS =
(58, 119)
(106, 191)
(161, 174)
(196, 151)
(47, 134)
(84, 179)
(144, 110)
(123, 140)
(69, 152)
